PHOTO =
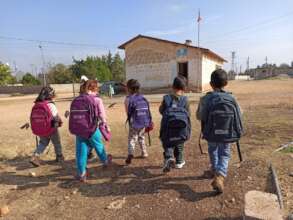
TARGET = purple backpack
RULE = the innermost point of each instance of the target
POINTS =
(83, 116)
(139, 114)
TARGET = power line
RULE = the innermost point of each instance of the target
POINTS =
(268, 21)
(55, 42)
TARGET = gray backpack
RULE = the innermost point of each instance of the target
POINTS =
(222, 119)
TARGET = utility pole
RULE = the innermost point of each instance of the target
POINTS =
(233, 61)
(240, 69)
(43, 68)
(247, 64)
(266, 61)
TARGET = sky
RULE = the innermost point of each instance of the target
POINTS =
(252, 28)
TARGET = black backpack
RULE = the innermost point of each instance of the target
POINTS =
(175, 124)
(221, 120)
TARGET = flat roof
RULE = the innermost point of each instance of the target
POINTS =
(122, 46)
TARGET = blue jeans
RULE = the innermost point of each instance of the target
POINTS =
(219, 156)
(82, 146)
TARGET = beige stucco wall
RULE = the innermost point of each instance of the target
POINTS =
(208, 66)
(155, 63)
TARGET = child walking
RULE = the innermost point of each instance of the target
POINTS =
(86, 112)
(44, 123)
(175, 125)
(139, 119)
(220, 118)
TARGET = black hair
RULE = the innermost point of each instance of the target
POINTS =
(46, 93)
(133, 86)
(179, 83)
(219, 78)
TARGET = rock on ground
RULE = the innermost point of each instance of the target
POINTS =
(261, 206)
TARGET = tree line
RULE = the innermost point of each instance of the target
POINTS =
(103, 68)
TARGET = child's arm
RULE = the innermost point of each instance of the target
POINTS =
(102, 111)
(200, 109)
(126, 103)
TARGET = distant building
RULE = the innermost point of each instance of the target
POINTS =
(156, 62)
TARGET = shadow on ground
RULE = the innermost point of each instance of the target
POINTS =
(116, 180)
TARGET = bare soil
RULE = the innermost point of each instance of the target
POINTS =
(147, 192)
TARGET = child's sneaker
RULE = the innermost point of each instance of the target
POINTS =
(144, 155)
(82, 178)
(35, 161)
(180, 165)
(128, 159)
(169, 163)
(59, 158)
(108, 161)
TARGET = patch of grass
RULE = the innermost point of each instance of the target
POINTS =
(288, 150)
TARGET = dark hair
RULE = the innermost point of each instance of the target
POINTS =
(82, 88)
(179, 83)
(133, 86)
(91, 85)
(219, 78)
(46, 93)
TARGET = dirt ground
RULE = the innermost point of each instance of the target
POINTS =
(143, 190)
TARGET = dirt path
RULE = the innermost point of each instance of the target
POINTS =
(145, 192)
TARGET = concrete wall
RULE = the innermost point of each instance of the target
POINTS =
(59, 88)
(208, 66)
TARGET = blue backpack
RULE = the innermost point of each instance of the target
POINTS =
(139, 114)
(175, 124)
(221, 121)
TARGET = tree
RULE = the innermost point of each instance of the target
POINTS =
(29, 79)
(284, 65)
(92, 67)
(118, 68)
(5, 75)
(60, 74)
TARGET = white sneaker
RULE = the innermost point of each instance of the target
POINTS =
(179, 165)
(168, 165)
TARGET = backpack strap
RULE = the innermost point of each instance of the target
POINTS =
(168, 100)
(182, 101)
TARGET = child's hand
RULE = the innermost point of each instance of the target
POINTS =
(66, 114)
(150, 127)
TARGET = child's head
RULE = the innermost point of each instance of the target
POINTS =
(133, 86)
(91, 87)
(47, 93)
(179, 83)
(219, 79)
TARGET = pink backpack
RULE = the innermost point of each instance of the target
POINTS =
(41, 119)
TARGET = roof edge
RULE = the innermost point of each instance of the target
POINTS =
(122, 46)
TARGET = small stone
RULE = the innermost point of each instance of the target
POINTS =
(4, 210)
(117, 204)
(233, 200)
(249, 178)
(171, 200)
(137, 206)
(74, 191)
(291, 174)
(32, 174)
(66, 197)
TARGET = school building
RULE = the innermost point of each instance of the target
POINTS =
(156, 62)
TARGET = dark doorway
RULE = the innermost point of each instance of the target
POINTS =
(183, 69)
